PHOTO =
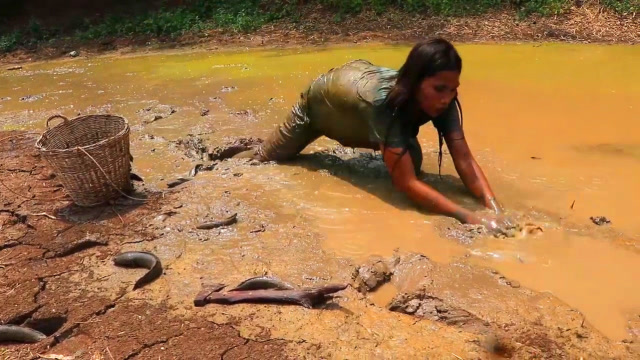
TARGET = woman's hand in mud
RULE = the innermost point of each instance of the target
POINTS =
(494, 205)
(496, 225)
(499, 225)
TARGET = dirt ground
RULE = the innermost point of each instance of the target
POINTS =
(57, 276)
(45, 262)
(587, 22)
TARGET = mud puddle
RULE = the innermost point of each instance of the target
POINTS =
(534, 129)
(571, 267)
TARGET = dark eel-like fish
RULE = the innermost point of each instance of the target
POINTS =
(135, 177)
(307, 297)
(20, 334)
(140, 259)
(195, 170)
(177, 182)
(263, 283)
(215, 224)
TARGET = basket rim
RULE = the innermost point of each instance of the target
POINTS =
(122, 132)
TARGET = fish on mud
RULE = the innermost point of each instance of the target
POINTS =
(196, 169)
(140, 259)
(263, 283)
(177, 182)
(307, 298)
(135, 177)
(20, 334)
(233, 218)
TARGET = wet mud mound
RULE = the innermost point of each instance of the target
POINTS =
(193, 147)
(509, 321)
(156, 112)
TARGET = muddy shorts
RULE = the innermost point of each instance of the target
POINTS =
(330, 107)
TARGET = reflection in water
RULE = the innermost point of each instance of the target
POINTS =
(563, 105)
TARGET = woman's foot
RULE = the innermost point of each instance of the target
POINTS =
(238, 148)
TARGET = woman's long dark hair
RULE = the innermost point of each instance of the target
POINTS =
(425, 59)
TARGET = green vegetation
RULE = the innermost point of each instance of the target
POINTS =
(248, 15)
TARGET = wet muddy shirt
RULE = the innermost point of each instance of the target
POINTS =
(347, 105)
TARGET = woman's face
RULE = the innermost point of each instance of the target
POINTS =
(437, 92)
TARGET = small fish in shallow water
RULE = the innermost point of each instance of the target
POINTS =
(20, 334)
(228, 88)
(600, 220)
(137, 259)
(263, 283)
(218, 223)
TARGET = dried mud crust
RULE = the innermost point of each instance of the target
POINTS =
(52, 261)
(510, 321)
(56, 275)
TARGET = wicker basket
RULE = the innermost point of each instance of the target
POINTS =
(90, 156)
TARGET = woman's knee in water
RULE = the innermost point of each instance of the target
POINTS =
(248, 154)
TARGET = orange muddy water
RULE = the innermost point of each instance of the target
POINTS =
(551, 125)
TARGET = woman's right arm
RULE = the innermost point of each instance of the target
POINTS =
(404, 179)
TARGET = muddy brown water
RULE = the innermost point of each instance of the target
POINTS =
(551, 125)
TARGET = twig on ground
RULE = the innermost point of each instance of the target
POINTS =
(109, 352)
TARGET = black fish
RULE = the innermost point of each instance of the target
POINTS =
(263, 283)
(21, 334)
(195, 170)
(178, 181)
(137, 259)
(218, 223)
(135, 177)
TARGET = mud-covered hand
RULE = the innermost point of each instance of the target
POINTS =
(496, 207)
(496, 225)
(493, 204)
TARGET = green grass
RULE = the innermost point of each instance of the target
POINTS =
(624, 7)
(248, 15)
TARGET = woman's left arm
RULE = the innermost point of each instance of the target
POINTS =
(470, 172)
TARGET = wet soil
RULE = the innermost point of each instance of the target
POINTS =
(485, 303)
(57, 277)
(49, 281)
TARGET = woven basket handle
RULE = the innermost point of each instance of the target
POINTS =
(64, 119)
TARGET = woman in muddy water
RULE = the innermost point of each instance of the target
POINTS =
(362, 105)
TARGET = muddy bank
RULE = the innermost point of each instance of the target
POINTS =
(58, 277)
(50, 255)
(511, 321)
(316, 26)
